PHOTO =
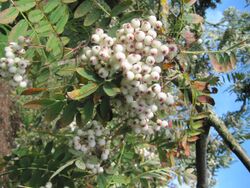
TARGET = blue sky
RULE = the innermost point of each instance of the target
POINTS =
(236, 176)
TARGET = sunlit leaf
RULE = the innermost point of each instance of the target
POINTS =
(8, 15)
(19, 29)
(83, 92)
(35, 16)
(25, 5)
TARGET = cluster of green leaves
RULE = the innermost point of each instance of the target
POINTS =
(35, 167)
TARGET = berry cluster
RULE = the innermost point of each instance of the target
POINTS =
(93, 143)
(138, 55)
(13, 65)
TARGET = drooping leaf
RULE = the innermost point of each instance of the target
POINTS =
(111, 89)
(8, 15)
(92, 17)
(83, 9)
(121, 7)
(19, 29)
(35, 16)
(83, 92)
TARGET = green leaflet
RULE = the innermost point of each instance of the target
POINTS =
(83, 9)
(25, 5)
(120, 8)
(111, 89)
(19, 29)
(35, 16)
(83, 92)
(92, 17)
(8, 15)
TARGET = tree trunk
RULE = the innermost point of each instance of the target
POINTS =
(5, 125)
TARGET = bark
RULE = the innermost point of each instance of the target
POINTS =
(9, 124)
(229, 140)
(5, 130)
(201, 159)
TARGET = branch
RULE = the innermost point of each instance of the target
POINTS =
(229, 140)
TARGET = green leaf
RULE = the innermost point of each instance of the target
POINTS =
(120, 8)
(129, 16)
(87, 111)
(19, 29)
(35, 16)
(50, 5)
(83, 92)
(48, 148)
(68, 113)
(80, 164)
(57, 14)
(83, 9)
(25, 5)
(59, 170)
(196, 124)
(92, 17)
(120, 179)
(8, 15)
(43, 75)
(111, 89)
(104, 109)
(65, 40)
(54, 45)
(43, 27)
(101, 181)
(54, 110)
(61, 23)
(66, 71)
(89, 75)
(36, 104)
(69, 1)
